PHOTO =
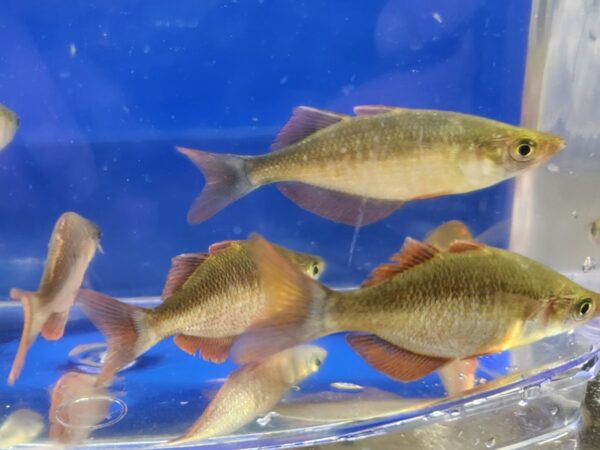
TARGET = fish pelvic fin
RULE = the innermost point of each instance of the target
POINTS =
(126, 329)
(226, 180)
(34, 317)
(294, 309)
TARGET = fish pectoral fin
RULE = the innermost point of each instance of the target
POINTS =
(374, 110)
(304, 122)
(393, 361)
(182, 267)
(412, 254)
(54, 327)
(337, 206)
(213, 350)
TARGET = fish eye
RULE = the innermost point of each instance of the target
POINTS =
(315, 269)
(318, 362)
(583, 308)
(524, 150)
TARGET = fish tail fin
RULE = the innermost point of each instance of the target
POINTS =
(126, 328)
(226, 180)
(33, 319)
(294, 310)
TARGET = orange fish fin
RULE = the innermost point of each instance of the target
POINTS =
(374, 110)
(304, 122)
(447, 233)
(459, 375)
(182, 266)
(393, 361)
(32, 323)
(54, 327)
(213, 350)
(124, 326)
(293, 311)
(464, 246)
(337, 206)
(218, 246)
(412, 254)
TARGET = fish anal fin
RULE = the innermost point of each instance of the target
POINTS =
(464, 246)
(213, 350)
(393, 361)
(412, 254)
(453, 230)
(374, 110)
(304, 122)
(54, 327)
(182, 266)
(218, 246)
(337, 206)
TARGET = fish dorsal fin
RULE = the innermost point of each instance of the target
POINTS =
(412, 254)
(374, 110)
(218, 246)
(445, 234)
(464, 246)
(182, 267)
(304, 122)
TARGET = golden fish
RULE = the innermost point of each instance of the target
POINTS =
(72, 246)
(77, 406)
(210, 298)
(253, 391)
(21, 427)
(359, 169)
(9, 122)
(421, 311)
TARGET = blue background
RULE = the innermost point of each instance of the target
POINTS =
(105, 90)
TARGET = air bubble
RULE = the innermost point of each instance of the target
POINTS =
(79, 413)
(553, 168)
(589, 264)
(265, 420)
(343, 386)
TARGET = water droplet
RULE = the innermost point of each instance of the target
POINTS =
(523, 402)
(554, 410)
(490, 442)
(343, 386)
(91, 412)
(437, 17)
(589, 264)
(283, 80)
(89, 358)
(574, 214)
(72, 49)
(553, 168)
(455, 412)
(237, 230)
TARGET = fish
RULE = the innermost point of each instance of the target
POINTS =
(359, 169)
(421, 311)
(9, 123)
(209, 299)
(77, 406)
(21, 427)
(252, 391)
(72, 246)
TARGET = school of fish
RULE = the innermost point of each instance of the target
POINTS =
(437, 305)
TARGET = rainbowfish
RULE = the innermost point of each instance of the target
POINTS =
(21, 427)
(359, 169)
(9, 122)
(253, 391)
(423, 310)
(72, 246)
(77, 406)
(210, 298)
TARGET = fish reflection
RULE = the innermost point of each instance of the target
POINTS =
(72, 246)
(77, 407)
(253, 391)
(21, 427)
(9, 122)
